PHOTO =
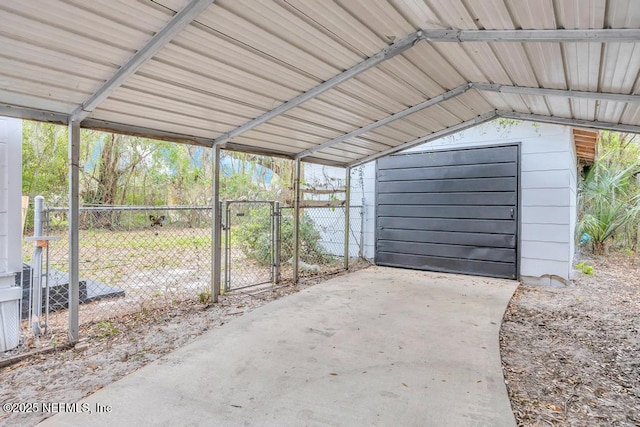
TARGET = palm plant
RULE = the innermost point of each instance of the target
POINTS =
(609, 199)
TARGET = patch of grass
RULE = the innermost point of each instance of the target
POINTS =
(205, 297)
(584, 268)
(145, 239)
(106, 329)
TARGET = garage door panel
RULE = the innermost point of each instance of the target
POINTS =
(444, 158)
(464, 212)
(448, 185)
(447, 251)
(449, 172)
(437, 224)
(448, 237)
(466, 198)
(435, 214)
(449, 265)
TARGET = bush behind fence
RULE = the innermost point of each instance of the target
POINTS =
(139, 258)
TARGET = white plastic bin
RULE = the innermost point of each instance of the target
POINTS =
(10, 317)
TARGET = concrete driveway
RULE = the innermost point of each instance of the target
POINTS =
(380, 346)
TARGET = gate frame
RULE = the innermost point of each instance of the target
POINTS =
(274, 214)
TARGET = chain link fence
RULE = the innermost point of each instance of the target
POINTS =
(131, 259)
(136, 259)
(250, 255)
(322, 240)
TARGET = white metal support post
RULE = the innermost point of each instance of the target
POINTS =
(74, 237)
(36, 272)
(347, 209)
(216, 229)
(276, 242)
(296, 220)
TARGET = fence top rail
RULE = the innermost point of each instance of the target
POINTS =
(176, 208)
(323, 207)
(130, 208)
(248, 202)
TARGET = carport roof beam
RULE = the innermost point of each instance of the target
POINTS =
(385, 54)
(594, 124)
(18, 112)
(523, 90)
(177, 23)
(435, 135)
(421, 106)
(523, 36)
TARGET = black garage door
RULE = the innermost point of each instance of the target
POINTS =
(454, 211)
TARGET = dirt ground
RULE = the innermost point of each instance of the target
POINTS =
(571, 356)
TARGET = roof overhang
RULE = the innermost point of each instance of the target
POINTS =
(323, 82)
(585, 142)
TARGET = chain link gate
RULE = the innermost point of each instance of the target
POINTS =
(251, 244)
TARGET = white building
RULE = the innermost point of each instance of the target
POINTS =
(546, 195)
(10, 230)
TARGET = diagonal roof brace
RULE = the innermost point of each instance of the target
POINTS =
(177, 23)
(523, 36)
(385, 54)
(421, 106)
(523, 90)
(594, 124)
(435, 135)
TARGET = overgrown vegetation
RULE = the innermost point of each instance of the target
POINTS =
(254, 238)
(609, 196)
(127, 170)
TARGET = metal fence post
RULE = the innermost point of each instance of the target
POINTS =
(227, 245)
(296, 220)
(362, 216)
(347, 209)
(36, 272)
(74, 235)
(216, 267)
(277, 242)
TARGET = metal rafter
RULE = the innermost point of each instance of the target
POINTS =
(594, 124)
(385, 54)
(523, 36)
(435, 135)
(145, 132)
(177, 23)
(24, 113)
(421, 106)
(523, 90)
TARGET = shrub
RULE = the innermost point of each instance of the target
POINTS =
(253, 237)
(609, 200)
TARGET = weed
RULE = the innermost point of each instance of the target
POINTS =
(205, 297)
(106, 329)
(138, 357)
(584, 268)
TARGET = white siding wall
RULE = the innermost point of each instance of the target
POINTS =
(548, 193)
(573, 203)
(10, 199)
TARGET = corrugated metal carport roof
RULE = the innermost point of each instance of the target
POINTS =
(335, 82)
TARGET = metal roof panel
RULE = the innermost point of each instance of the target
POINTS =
(239, 60)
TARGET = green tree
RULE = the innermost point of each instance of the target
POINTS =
(44, 161)
(120, 169)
